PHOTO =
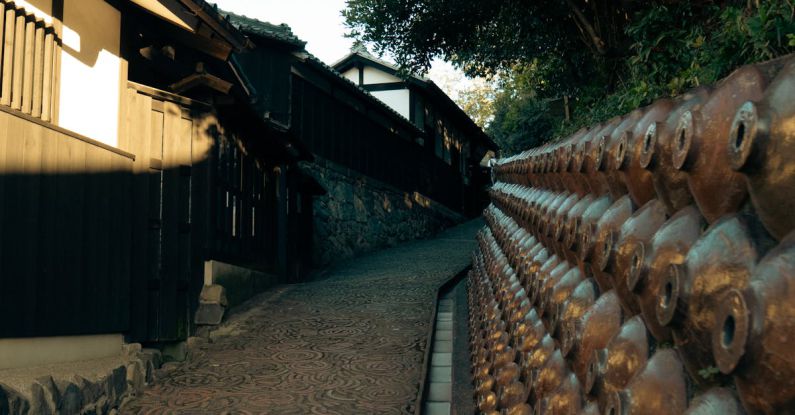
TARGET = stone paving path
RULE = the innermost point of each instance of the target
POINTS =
(351, 343)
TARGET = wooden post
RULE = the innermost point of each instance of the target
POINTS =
(19, 60)
(46, 93)
(56, 84)
(8, 57)
(27, 64)
(38, 70)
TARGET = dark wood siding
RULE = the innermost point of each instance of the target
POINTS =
(64, 232)
(339, 132)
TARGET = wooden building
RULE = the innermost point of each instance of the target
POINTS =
(151, 147)
(132, 164)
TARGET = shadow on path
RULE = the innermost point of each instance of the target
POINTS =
(352, 343)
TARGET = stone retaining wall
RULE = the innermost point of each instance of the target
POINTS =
(360, 214)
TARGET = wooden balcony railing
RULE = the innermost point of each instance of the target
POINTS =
(30, 53)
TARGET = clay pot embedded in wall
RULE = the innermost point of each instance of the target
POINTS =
(669, 245)
(607, 232)
(545, 287)
(755, 332)
(558, 295)
(715, 401)
(613, 367)
(670, 184)
(626, 152)
(630, 252)
(584, 162)
(659, 389)
(615, 142)
(549, 376)
(585, 228)
(566, 399)
(598, 160)
(691, 293)
(578, 303)
(571, 222)
(699, 145)
(599, 324)
(534, 360)
(762, 146)
(541, 276)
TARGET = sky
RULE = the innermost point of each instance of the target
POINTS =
(321, 25)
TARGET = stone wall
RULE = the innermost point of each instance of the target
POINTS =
(360, 214)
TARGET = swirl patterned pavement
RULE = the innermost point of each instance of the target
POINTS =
(351, 343)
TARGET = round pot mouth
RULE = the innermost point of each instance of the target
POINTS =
(744, 132)
(731, 330)
(614, 404)
(605, 250)
(683, 140)
(636, 267)
(620, 152)
(669, 293)
(647, 145)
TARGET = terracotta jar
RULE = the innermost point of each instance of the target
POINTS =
(691, 293)
(534, 360)
(545, 287)
(528, 333)
(549, 376)
(578, 303)
(599, 324)
(574, 179)
(670, 184)
(557, 296)
(606, 237)
(755, 333)
(597, 160)
(613, 367)
(669, 245)
(715, 401)
(626, 152)
(616, 180)
(541, 276)
(633, 242)
(659, 389)
(556, 221)
(566, 399)
(761, 146)
(583, 162)
(699, 145)
(584, 229)
(570, 224)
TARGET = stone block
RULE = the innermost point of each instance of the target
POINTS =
(175, 352)
(136, 376)
(71, 397)
(154, 355)
(130, 350)
(12, 402)
(209, 314)
(213, 294)
(89, 391)
(44, 397)
(115, 385)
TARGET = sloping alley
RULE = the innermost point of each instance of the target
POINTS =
(353, 342)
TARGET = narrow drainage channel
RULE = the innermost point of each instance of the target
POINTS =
(448, 387)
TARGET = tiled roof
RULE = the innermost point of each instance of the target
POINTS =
(281, 32)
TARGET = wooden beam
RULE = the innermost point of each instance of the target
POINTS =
(18, 61)
(27, 65)
(38, 71)
(8, 56)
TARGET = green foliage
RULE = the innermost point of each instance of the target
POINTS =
(673, 47)
(607, 56)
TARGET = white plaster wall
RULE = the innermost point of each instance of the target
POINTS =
(398, 100)
(90, 70)
(376, 76)
(352, 74)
